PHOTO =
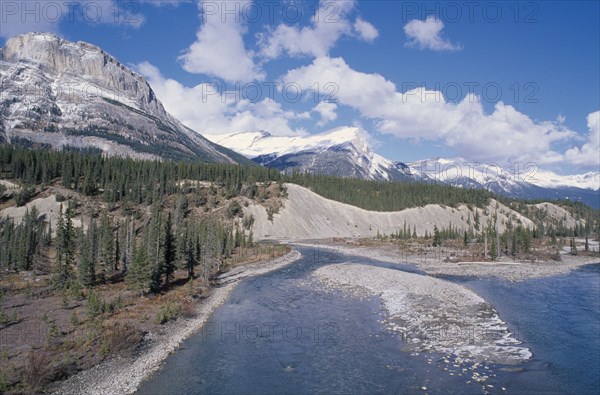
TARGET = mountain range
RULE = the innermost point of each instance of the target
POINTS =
(56, 93)
(345, 152)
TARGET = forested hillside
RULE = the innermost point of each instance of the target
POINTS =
(389, 196)
(115, 248)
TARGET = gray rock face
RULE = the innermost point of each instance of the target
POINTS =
(59, 93)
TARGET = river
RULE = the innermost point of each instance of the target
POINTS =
(284, 332)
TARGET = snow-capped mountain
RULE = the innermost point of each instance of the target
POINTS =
(59, 93)
(342, 152)
(345, 152)
(494, 177)
(520, 180)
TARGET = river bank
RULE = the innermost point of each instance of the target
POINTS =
(437, 265)
(123, 375)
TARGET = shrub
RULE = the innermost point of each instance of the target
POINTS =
(38, 370)
(188, 310)
(24, 196)
(167, 313)
(95, 305)
(234, 209)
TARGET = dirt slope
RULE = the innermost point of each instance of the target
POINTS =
(306, 215)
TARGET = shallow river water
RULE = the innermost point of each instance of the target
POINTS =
(284, 332)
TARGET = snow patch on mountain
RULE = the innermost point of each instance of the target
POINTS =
(342, 152)
(56, 92)
(457, 170)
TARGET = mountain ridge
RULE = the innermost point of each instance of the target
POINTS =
(345, 152)
(60, 93)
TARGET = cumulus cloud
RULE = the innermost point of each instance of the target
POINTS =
(206, 110)
(504, 135)
(219, 48)
(365, 30)
(329, 23)
(589, 153)
(427, 34)
(326, 111)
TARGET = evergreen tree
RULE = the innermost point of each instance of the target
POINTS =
(573, 247)
(140, 272)
(437, 239)
(250, 239)
(155, 248)
(89, 183)
(107, 252)
(169, 251)
(587, 245)
(86, 273)
(65, 250)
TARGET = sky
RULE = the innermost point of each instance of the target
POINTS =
(492, 82)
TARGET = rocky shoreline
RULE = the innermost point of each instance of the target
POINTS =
(124, 375)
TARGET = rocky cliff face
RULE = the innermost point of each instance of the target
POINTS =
(59, 93)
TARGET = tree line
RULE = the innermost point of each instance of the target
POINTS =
(388, 196)
(119, 179)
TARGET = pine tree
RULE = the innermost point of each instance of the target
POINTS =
(156, 248)
(437, 239)
(117, 255)
(573, 247)
(107, 251)
(587, 244)
(169, 251)
(89, 182)
(250, 239)
(65, 250)
(188, 250)
(140, 273)
(86, 273)
(494, 245)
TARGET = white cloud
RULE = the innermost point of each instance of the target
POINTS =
(427, 34)
(219, 48)
(589, 153)
(326, 111)
(205, 110)
(329, 24)
(365, 30)
(504, 135)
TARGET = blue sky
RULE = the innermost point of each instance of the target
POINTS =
(401, 70)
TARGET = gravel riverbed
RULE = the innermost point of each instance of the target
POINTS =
(504, 268)
(431, 314)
